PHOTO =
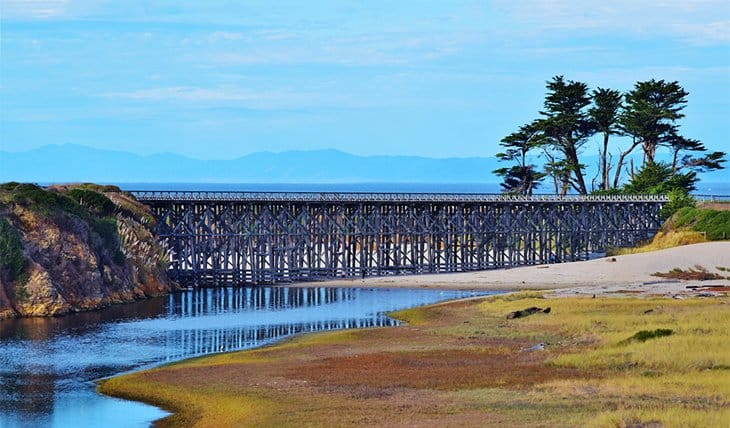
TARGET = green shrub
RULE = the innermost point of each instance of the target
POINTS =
(11, 249)
(678, 199)
(713, 223)
(95, 202)
(21, 291)
(106, 228)
(99, 188)
(118, 257)
(46, 202)
(9, 186)
(658, 178)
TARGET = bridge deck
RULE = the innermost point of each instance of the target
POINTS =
(356, 197)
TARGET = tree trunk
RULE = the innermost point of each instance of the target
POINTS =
(649, 152)
(604, 163)
(551, 160)
(572, 156)
(620, 164)
(674, 161)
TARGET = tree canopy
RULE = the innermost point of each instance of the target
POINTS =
(647, 116)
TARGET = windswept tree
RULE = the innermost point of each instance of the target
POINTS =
(653, 109)
(605, 116)
(521, 178)
(703, 163)
(651, 114)
(566, 126)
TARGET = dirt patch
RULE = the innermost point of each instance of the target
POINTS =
(717, 288)
(623, 291)
(443, 370)
(698, 273)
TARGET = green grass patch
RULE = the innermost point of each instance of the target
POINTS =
(644, 335)
(522, 295)
(714, 224)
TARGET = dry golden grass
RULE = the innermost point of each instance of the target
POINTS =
(459, 364)
(663, 240)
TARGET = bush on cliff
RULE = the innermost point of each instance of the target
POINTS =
(11, 250)
(43, 201)
(93, 201)
(65, 204)
(678, 199)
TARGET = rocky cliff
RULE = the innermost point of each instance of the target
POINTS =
(75, 248)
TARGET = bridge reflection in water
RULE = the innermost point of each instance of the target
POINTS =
(48, 364)
(218, 238)
(291, 306)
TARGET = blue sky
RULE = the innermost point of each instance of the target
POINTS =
(219, 79)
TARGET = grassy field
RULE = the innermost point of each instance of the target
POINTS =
(461, 364)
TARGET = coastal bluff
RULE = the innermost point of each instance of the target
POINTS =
(75, 248)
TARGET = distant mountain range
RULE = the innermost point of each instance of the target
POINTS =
(70, 163)
(75, 163)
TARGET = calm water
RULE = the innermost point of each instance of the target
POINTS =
(47, 366)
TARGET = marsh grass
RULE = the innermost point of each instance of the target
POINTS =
(200, 407)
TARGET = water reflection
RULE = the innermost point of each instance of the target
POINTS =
(47, 365)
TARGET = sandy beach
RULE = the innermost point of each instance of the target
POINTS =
(625, 274)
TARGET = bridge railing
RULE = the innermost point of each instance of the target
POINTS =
(225, 196)
(712, 198)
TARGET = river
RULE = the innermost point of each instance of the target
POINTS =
(48, 365)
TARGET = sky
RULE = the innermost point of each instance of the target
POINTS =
(219, 79)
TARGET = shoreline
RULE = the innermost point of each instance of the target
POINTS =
(460, 363)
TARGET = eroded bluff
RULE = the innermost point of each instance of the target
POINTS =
(76, 248)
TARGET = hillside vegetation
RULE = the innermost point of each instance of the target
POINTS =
(688, 225)
(75, 247)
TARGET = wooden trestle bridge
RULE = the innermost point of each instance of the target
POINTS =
(218, 238)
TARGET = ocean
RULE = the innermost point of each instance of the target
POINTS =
(703, 188)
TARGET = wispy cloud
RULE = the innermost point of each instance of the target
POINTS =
(224, 35)
(696, 22)
(34, 8)
(702, 34)
(207, 97)
(368, 49)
